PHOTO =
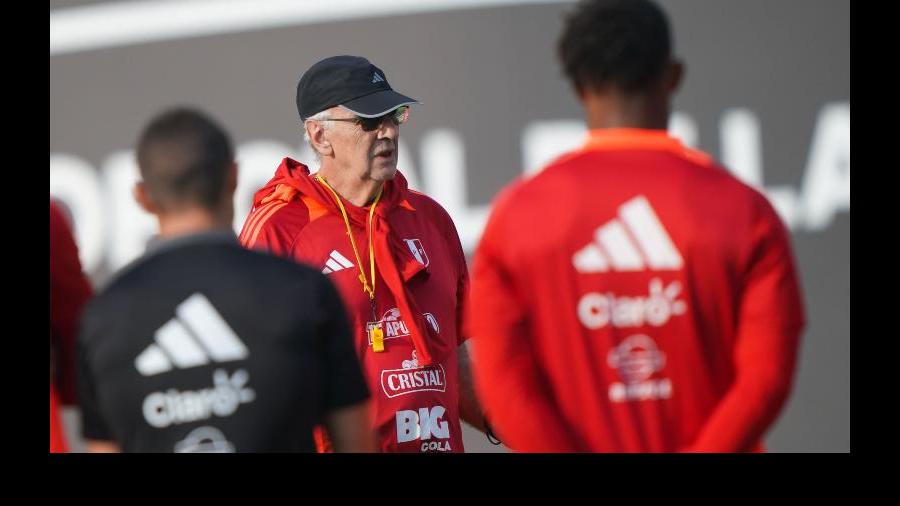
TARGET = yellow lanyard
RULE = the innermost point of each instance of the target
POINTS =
(375, 333)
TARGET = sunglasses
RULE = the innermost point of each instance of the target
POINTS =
(398, 116)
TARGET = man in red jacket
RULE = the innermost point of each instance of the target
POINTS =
(658, 310)
(393, 253)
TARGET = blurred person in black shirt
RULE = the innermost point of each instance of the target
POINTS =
(203, 346)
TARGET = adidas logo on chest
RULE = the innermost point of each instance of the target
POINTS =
(336, 262)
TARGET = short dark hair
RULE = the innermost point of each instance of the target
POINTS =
(623, 43)
(184, 156)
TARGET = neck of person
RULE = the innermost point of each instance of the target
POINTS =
(613, 108)
(358, 191)
(192, 220)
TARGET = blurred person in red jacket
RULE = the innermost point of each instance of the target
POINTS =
(70, 289)
(633, 296)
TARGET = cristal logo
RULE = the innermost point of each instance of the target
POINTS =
(174, 407)
(597, 310)
(424, 425)
(393, 325)
(411, 378)
(636, 359)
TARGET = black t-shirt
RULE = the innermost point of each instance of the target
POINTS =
(205, 346)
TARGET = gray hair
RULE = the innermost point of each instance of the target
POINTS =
(319, 116)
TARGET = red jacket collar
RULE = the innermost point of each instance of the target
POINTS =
(295, 177)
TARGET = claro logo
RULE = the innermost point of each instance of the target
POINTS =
(598, 310)
(173, 407)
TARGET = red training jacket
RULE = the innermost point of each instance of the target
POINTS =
(634, 297)
(421, 279)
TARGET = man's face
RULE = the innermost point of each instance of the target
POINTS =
(367, 155)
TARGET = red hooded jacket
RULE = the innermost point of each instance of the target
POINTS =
(69, 291)
(421, 279)
(634, 297)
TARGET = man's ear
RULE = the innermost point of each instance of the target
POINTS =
(580, 91)
(142, 197)
(674, 75)
(316, 132)
(231, 180)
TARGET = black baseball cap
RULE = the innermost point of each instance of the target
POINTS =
(350, 81)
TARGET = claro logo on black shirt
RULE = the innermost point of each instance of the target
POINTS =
(162, 409)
